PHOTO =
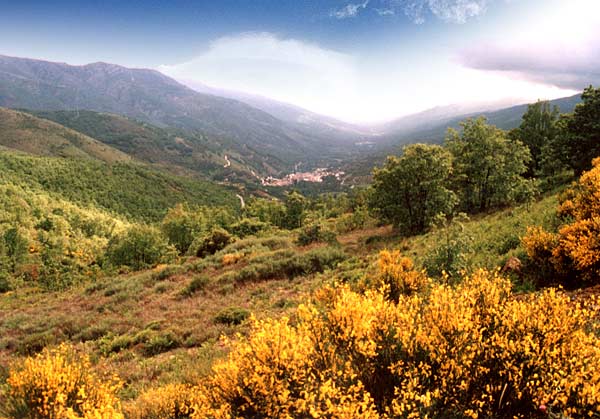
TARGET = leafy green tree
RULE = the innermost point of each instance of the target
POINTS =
(267, 210)
(537, 131)
(182, 225)
(488, 167)
(295, 205)
(140, 247)
(15, 247)
(582, 131)
(411, 190)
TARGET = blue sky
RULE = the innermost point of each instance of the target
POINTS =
(358, 60)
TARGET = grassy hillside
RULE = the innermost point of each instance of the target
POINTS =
(128, 189)
(174, 149)
(163, 326)
(40, 137)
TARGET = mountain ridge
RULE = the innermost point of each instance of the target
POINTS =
(150, 96)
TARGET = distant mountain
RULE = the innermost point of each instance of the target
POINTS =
(431, 126)
(440, 114)
(150, 96)
(39, 137)
(302, 119)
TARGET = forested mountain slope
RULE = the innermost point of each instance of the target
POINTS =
(150, 96)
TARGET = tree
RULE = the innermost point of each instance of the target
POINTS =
(294, 210)
(139, 248)
(180, 227)
(582, 133)
(409, 191)
(15, 247)
(267, 211)
(488, 167)
(537, 131)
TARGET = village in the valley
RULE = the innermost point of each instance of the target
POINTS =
(315, 176)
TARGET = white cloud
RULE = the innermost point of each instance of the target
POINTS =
(385, 12)
(352, 87)
(561, 49)
(455, 11)
(350, 10)
(284, 69)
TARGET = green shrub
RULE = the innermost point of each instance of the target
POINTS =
(4, 283)
(271, 243)
(180, 226)
(209, 244)
(449, 256)
(15, 245)
(167, 272)
(287, 264)
(232, 316)
(140, 247)
(315, 233)
(198, 283)
(248, 227)
(158, 343)
(320, 259)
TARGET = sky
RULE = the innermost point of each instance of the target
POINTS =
(357, 60)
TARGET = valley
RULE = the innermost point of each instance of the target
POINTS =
(171, 253)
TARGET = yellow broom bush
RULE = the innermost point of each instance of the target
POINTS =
(470, 350)
(398, 276)
(59, 384)
(172, 401)
(573, 252)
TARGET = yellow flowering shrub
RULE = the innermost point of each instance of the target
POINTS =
(279, 372)
(173, 401)
(231, 258)
(573, 253)
(470, 350)
(398, 275)
(59, 384)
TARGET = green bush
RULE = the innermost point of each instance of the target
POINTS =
(248, 227)
(198, 283)
(4, 283)
(232, 316)
(158, 343)
(287, 265)
(209, 244)
(450, 255)
(271, 243)
(167, 272)
(140, 247)
(15, 247)
(315, 233)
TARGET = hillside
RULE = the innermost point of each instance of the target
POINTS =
(150, 96)
(24, 132)
(174, 149)
(163, 325)
(129, 189)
